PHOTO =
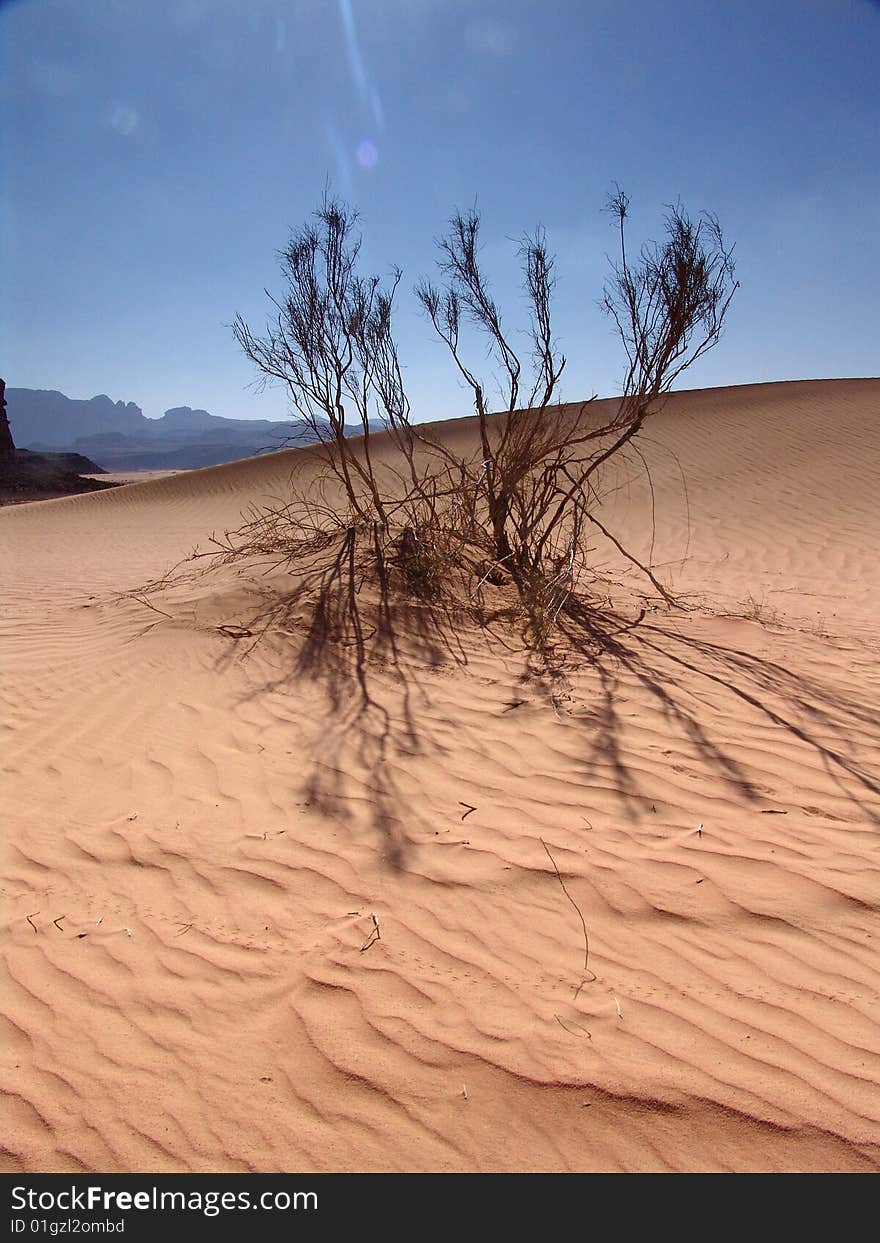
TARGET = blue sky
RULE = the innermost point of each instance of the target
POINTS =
(155, 156)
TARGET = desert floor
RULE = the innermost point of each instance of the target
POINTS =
(197, 839)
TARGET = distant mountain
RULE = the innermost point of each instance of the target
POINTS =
(49, 420)
(118, 436)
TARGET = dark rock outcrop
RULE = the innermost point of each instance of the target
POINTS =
(26, 476)
(7, 444)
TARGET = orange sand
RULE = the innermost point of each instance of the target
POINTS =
(213, 836)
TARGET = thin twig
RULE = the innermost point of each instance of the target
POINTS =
(374, 936)
(140, 600)
(568, 1029)
(576, 907)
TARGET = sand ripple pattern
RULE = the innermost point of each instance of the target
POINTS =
(198, 847)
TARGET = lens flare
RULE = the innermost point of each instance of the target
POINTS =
(367, 154)
(123, 120)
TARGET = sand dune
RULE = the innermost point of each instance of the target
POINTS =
(196, 842)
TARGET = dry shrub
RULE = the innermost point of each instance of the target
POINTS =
(435, 525)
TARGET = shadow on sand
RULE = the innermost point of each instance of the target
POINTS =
(376, 658)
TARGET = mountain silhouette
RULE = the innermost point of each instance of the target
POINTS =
(118, 436)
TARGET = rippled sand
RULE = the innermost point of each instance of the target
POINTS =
(196, 843)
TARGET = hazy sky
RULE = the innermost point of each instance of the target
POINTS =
(156, 154)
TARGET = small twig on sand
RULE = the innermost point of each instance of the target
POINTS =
(566, 1027)
(147, 605)
(374, 936)
(31, 922)
(469, 809)
(576, 907)
(57, 922)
